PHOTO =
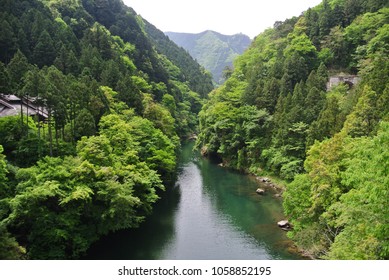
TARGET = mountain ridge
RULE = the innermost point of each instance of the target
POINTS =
(213, 50)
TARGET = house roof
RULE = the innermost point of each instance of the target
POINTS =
(11, 105)
(6, 104)
(9, 97)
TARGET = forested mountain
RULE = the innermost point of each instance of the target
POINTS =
(275, 114)
(213, 50)
(114, 102)
(199, 81)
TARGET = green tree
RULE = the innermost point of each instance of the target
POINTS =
(325, 18)
(363, 211)
(110, 74)
(7, 41)
(4, 79)
(336, 43)
(84, 124)
(311, 195)
(44, 52)
(160, 116)
(352, 9)
(303, 47)
(364, 119)
(312, 21)
(9, 248)
(131, 94)
(3, 174)
(298, 202)
(267, 100)
(63, 205)
(91, 59)
(60, 61)
(331, 117)
(33, 90)
(17, 68)
(169, 103)
(140, 135)
(295, 70)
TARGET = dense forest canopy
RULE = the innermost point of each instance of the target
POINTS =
(116, 97)
(275, 114)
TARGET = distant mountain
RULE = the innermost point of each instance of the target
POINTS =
(199, 80)
(212, 50)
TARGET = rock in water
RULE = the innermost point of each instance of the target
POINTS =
(260, 191)
(284, 224)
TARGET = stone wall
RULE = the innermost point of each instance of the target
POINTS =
(350, 80)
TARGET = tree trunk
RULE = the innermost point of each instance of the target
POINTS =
(21, 117)
(50, 134)
(26, 115)
(56, 141)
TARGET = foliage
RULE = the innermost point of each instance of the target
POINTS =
(363, 211)
(111, 90)
(274, 112)
(118, 94)
(9, 247)
(200, 81)
(3, 174)
(66, 204)
(345, 192)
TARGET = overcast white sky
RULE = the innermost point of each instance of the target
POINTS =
(250, 17)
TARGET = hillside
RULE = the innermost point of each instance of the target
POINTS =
(103, 105)
(199, 79)
(212, 50)
(275, 116)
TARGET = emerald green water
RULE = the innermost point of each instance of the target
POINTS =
(211, 213)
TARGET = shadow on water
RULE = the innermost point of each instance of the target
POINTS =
(211, 213)
(145, 242)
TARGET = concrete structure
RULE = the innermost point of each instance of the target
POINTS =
(11, 105)
(350, 80)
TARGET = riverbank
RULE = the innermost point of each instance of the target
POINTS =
(267, 178)
(274, 185)
(279, 186)
(271, 182)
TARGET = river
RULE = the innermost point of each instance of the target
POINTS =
(211, 213)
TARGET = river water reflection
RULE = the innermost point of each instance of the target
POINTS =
(211, 213)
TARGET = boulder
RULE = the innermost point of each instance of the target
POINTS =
(260, 191)
(284, 224)
(192, 137)
(265, 180)
(204, 151)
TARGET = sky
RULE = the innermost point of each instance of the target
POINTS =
(250, 17)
